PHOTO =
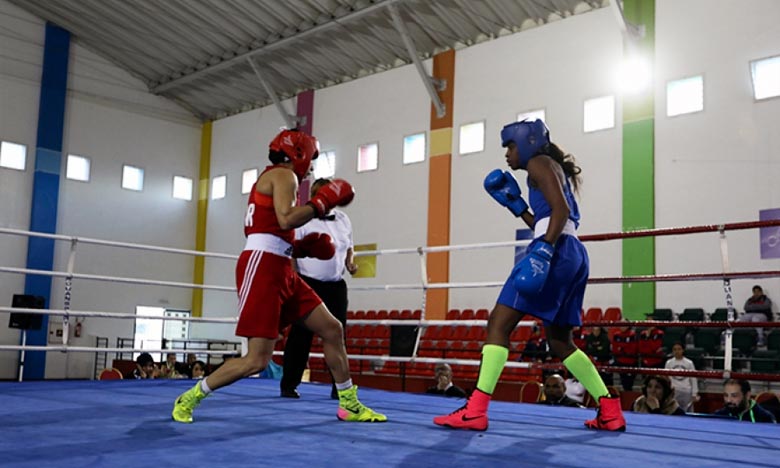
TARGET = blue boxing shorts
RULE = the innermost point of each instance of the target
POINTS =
(560, 300)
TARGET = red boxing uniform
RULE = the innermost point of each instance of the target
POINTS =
(271, 295)
(650, 343)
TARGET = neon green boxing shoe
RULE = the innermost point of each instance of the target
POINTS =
(186, 403)
(352, 410)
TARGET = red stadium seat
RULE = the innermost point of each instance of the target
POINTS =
(467, 314)
(483, 314)
(531, 392)
(417, 314)
(613, 314)
(395, 314)
(382, 315)
(453, 314)
(593, 314)
(406, 314)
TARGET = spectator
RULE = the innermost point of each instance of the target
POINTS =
(758, 308)
(198, 370)
(575, 390)
(145, 368)
(444, 386)
(597, 347)
(739, 405)
(651, 349)
(657, 397)
(686, 389)
(536, 348)
(555, 393)
(170, 369)
(625, 348)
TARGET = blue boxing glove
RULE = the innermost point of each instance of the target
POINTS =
(502, 186)
(531, 272)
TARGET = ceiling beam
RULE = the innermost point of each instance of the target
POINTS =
(242, 58)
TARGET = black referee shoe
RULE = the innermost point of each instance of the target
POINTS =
(289, 393)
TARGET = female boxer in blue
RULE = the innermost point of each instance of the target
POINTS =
(548, 282)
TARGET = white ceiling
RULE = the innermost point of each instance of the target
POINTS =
(197, 52)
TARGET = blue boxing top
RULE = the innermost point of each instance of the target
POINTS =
(541, 208)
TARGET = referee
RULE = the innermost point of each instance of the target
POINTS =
(325, 278)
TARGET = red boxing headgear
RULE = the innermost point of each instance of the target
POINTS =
(299, 149)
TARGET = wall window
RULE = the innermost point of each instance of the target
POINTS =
(218, 187)
(182, 188)
(685, 96)
(532, 115)
(149, 332)
(248, 179)
(325, 165)
(13, 155)
(766, 77)
(132, 178)
(599, 114)
(472, 138)
(368, 157)
(77, 168)
(414, 148)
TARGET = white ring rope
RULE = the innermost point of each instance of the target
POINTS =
(423, 285)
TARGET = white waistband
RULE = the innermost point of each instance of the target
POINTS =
(268, 243)
(540, 228)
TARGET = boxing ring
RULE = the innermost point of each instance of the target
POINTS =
(127, 422)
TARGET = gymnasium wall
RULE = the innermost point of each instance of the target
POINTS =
(111, 119)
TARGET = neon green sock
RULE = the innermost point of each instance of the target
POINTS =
(583, 369)
(493, 359)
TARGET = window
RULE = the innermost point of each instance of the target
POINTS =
(13, 155)
(599, 114)
(218, 187)
(248, 179)
(132, 178)
(414, 148)
(685, 96)
(77, 168)
(182, 188)
(472, 137)
(325, 165)
(532, 115)
(766, 77)
(368, 157)
(150, 333)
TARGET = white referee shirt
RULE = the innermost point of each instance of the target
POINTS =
(340, 230)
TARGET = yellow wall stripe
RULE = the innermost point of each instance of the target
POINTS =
(200, 227)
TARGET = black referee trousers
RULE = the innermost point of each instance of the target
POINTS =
(298, 346)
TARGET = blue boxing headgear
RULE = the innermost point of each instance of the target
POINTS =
(528, 136)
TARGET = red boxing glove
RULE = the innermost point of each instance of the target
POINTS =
(337, 192)
(316, 245)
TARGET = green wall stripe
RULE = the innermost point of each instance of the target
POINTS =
(639, 171)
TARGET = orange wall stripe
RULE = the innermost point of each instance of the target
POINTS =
(439, 176)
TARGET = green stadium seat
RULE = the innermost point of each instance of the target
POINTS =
(692, 315)
(720, 315)
(673, 335)
(708, 339)
(662, 314)
(764, 361)
(744, 340)
(773, 340)
(696, 355)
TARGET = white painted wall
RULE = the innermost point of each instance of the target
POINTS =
(724, 161)
(110, 118)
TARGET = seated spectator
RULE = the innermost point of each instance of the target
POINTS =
(198, 370)
(555, 393)
(536, 348)
(657, 397)
(651, 342)
(625, 348)
(170, 369)
(598, 348)
(739, 405)
(575, 390)
(758, 308)
(145, 368)
(686, 389)
(444, 386)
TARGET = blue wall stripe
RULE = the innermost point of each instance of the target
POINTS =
(46, 182)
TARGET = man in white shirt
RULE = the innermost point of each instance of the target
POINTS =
(686, 389)
(325, 278)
